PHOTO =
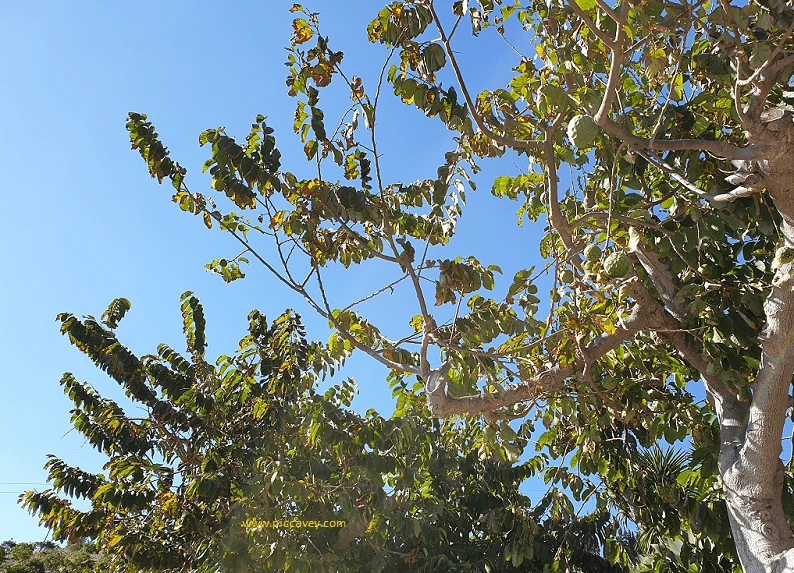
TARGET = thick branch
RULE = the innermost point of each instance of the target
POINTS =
(767, 74)
(610, 12)
(718, 148)
(731, 414)
(556, 217)
(662, 281)
(647, 314)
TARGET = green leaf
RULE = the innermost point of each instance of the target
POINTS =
(115, 312)
(310, 149)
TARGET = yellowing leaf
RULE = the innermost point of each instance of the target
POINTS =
(677, 88)
(656, 61)
(303, 31)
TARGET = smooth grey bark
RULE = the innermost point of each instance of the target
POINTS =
(749, 459)
(753, 471)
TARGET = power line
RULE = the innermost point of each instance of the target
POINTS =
(19, 483)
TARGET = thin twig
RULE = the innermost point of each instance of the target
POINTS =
(506, 141)
(389, 286)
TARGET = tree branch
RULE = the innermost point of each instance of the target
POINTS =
(768, 78)
(606, 8)
(646, 314)
(506, 141)
(602, 119)
(662, 281)
(600, 34)
(557, 219)
(768, 63)
(328, 314)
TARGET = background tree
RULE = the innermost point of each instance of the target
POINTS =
(222, 450)
(670, 246)
(47, 557)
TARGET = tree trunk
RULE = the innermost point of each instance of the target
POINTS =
(750, 464)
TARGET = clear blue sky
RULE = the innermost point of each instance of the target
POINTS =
(82, 222)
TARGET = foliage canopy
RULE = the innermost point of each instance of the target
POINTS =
(47, 557)
(225, 451)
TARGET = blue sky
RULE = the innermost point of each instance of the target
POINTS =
(83, 223)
